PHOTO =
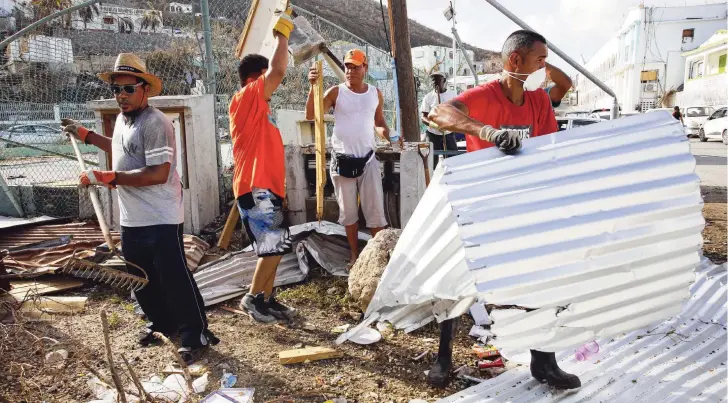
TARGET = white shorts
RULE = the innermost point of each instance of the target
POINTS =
(369, 188)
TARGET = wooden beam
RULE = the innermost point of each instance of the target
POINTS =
(230, 223)
(308, 354)
(257, 35)
(399, 25)
(320, 140)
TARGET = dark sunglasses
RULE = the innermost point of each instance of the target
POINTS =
(129, 89)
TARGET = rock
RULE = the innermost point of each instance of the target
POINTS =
(56, 357)
(367, 271)
(355, 315)
(332, 290)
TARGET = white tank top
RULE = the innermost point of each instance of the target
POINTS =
(354, 121)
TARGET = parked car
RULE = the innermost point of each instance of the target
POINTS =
(694, 117)
(715, 127)
(31, 134)
(566, 123)
(659, 109)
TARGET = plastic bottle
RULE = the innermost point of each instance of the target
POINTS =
(586, 351)
(394, 138)
(228, 379)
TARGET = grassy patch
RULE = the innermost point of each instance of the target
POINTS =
(315, 293)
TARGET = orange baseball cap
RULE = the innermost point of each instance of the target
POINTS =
(355, 57)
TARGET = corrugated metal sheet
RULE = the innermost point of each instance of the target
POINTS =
(70, 237)
(15, 222)
(594, 230)
(323, 242)
(680, 360)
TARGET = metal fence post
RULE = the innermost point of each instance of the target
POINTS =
(211, 87)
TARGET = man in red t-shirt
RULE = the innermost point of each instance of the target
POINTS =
(502, 113)
(259, 179)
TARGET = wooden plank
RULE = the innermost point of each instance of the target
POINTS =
(320, 139)
(44, 308)
(257, 36)
(233, 310)
(308, 354)
(227, 231)
(25, 289)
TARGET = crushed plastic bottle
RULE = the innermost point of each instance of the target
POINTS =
(228, 379)
(394, 138)
(586, 351)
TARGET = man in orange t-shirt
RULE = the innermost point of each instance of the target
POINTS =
(502, 113)
(259, 180)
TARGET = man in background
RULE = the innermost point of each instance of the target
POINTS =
(438, 95)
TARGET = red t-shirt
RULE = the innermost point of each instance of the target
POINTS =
(487, 104)
(257, 145)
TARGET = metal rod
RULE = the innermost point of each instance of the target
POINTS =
(11, 196)
(43, 20)
(15, 143)
(465, 55)
(563, 55)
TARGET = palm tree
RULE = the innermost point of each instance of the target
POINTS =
(151, 20)
(88, 13)
(126, 25)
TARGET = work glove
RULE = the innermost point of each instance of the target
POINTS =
(284, 23)
(508, 141)
(75, 129)
(98, 178)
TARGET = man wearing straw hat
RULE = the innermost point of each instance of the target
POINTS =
(144, 174)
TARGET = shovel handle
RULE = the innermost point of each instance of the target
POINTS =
(93, 194)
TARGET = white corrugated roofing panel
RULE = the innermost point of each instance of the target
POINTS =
(591, 232)
(680, 360)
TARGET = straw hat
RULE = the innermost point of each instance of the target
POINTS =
(129, 64)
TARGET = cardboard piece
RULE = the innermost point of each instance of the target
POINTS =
(257, 36)
(308, 354)
(23, 290)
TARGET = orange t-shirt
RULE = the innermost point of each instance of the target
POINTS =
(487, 104)
(257, 145)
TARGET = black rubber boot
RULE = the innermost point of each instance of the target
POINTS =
(439, 375)
(545, 368)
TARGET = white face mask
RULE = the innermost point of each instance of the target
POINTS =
(533, 81)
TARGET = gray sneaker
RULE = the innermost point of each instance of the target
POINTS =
(279, 310)
(257, 308)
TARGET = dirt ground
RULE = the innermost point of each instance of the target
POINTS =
(383, 372)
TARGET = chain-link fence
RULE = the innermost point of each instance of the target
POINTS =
(50, 73)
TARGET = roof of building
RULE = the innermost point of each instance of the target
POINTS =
(719, 38)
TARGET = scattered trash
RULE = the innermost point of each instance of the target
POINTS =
(485, 351)
(385, 328)
(421, 356)
(227, 380)
(366, 336)
(480, 314)
(480, 332)
(341, 329)
(336, 379)
(498, 363)
(235, 395)
(586, 351)
(429, 340)
(355, 315)
(56, 357)
(308, 326)
(332, 290)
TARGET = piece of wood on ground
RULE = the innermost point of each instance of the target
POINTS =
(227, 231)
(257, 35)
(308, 354)
(25, 289)
(43, 308)
(233, 310)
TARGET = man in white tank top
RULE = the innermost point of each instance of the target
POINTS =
(355, 171)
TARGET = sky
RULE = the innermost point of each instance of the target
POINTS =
(577, 27)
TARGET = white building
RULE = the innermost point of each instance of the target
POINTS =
(644, 63)
(439, 58)
(180, 8)
(706, 79)
(114, 18)
(56, 53)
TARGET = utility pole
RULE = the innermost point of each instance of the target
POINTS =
(454, 50)
(402, 52)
